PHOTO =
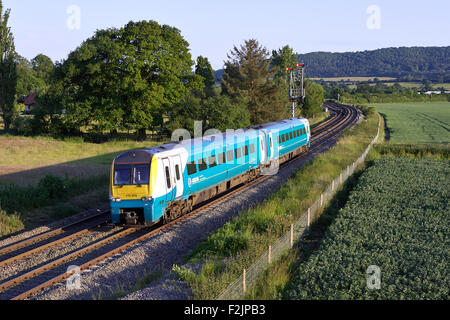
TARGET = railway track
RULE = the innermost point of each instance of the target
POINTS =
(323, 133)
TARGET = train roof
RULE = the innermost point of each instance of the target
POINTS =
(209, 142)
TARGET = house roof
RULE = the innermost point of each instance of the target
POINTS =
(29, 99)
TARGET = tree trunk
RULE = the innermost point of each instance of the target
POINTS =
(142, 134)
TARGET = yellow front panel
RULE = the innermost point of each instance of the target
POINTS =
(130, 192)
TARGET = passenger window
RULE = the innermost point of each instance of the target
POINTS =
(222, 158)
(192, 168)
(290, 134)
(177, 172)
(230, 156)
(238, 153)
(246, 151)
(252, 148)
(202, 165)
(283, 138)
(168, 178)
(212, 161)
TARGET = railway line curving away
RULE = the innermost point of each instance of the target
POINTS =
(111, 258)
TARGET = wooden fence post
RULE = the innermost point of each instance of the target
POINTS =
(309, 217)
(270, 255)
(292, 236)
(244, 286)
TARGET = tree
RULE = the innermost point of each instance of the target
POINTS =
(314, 99)
(43, 67)
(218, 112)
(283, 58)
(27, 81)
(204, 69)
(127, 78)
(247, 76)
(8, 72)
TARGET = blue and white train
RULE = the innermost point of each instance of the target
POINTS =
(165, 182)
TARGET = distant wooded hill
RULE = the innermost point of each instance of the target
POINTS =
(405, 63)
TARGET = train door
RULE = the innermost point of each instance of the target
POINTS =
(168, 179)
(271, 146)
(262, 148)
(177, 176)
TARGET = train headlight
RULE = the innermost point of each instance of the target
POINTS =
(144, 199)
(118, 200)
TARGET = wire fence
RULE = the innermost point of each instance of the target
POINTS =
(239, 287)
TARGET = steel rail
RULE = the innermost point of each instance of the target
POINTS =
(51, 265)
(46, 235)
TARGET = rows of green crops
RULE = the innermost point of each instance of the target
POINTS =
(397, 218)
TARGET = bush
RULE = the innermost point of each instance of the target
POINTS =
(53, 187)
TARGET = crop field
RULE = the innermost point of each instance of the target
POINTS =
(397, 219)
(352, 79)
(417, 123)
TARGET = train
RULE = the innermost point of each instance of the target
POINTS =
(162, 183)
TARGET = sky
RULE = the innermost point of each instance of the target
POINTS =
(212, 28)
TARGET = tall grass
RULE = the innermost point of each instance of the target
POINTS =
(223, 255)
(9, 223)
(49, 191)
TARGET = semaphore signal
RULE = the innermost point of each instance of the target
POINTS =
(296, 88)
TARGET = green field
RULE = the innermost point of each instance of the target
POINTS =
(397, 219)
(352, 79)
(417, 123)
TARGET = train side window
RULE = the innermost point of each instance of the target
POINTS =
(212, 161)
(168, 178)
(230, 155)
(283, 138)
(192, 168)
(202, 165)
(304, 131)
(177, 172)
(290, 134)
(252, 148)
(295, 134)
(222, 158)
(238, 153)
(246, 153)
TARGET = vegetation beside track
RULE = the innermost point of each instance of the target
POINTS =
(222, 256)
(395, 218)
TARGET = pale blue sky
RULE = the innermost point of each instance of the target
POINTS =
(213, 27)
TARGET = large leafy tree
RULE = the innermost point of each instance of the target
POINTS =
(8, 72)
(219, 112)
(314, 99)
(43, 67)
(203, 68)
(128, 77)
(247, 75)
(283, 58)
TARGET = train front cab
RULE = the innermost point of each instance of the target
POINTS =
(132, 176)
